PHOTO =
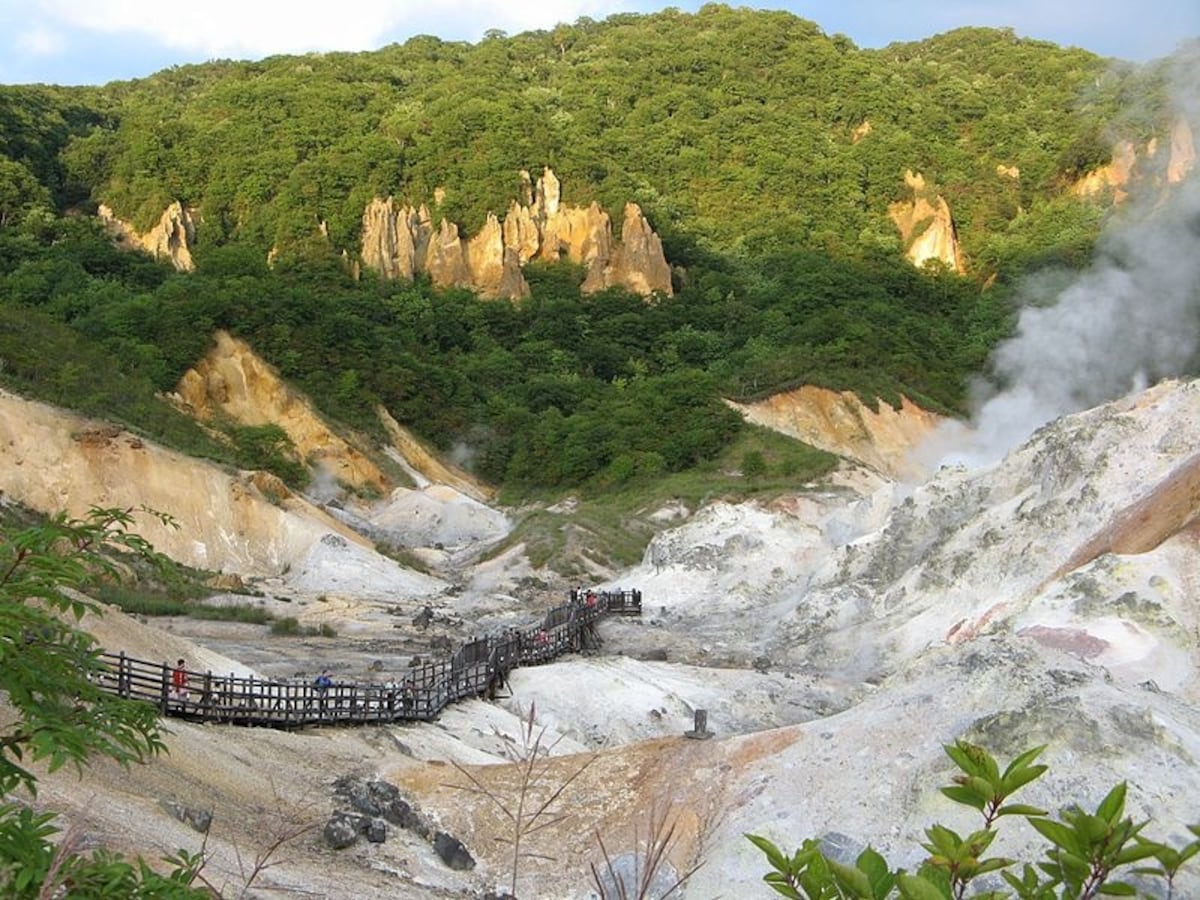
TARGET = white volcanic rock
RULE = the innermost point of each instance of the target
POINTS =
(334, 565)
(614, 700)
(969, 551)
(438, 515)
(1047, 600)
(745, 563)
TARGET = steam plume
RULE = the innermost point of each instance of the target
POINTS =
(1131, 319)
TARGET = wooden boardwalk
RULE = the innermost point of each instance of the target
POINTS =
(419, 693)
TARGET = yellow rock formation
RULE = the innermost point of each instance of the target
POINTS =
(171, 239)
(54, 461)
(839, 423)
(926, 226)
(543, 228)
(232, 381)
(1114, 176)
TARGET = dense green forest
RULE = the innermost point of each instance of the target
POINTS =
(741, 134)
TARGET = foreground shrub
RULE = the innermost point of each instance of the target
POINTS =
(1088, 854)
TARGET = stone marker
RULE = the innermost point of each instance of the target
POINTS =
(700, 731)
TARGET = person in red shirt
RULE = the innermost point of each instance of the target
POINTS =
(179, 683)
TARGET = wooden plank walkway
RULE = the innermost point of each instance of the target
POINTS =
(420, 693)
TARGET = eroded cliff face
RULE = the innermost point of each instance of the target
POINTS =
(1133, 167)
(926, 226)
(1113, 177)
(401, 242)
(839, 423)
(233, 382)
(1183, 152)
(171, 239)
(428, 467)
(247, 523)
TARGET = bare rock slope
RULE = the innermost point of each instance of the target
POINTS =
(837, 638)
(838, 421)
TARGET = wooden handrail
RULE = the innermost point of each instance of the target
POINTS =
(478, 668)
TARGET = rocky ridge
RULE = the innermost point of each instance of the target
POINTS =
(400, 241)
(171, 238)
(839, 422)
(234, 383)
(1130, 163)
(837, 638)
(927, 229)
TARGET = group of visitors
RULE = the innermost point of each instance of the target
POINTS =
(506, 652)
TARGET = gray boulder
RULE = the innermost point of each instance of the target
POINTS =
(343, 829)
(453, 852)
(383, 800)
(198, 818)
(377, 831)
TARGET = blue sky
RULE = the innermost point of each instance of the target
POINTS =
(96, 41)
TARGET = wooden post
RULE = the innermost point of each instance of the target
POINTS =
(206, 697)
(166, 686)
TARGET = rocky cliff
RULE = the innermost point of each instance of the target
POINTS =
(837, 639)
(1182, 158)
(1113, 177)
(171, 239)
(234, 383)
(839, 422)
(1133, 166)
(926, 226)
(400, 241)
(246, 523)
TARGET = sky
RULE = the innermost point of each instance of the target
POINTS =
(97, 41)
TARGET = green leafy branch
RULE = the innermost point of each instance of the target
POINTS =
(51, 670)
(1086, 850)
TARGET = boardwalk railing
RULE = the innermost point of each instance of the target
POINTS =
(478, 668)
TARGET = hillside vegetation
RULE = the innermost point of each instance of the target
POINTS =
(765, 152)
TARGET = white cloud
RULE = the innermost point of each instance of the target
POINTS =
(263, 27)
(237, 27)
(40, 41)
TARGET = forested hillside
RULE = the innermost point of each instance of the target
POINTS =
(765, 153)
(733, 129)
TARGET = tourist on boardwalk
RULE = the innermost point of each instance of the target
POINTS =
(323, 681)
(179, 683)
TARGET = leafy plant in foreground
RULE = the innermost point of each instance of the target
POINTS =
(1086, 849)
(50, 675)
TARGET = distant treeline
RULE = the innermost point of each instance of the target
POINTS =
(736, 130)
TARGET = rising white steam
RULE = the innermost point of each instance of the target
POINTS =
(1128, 321)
